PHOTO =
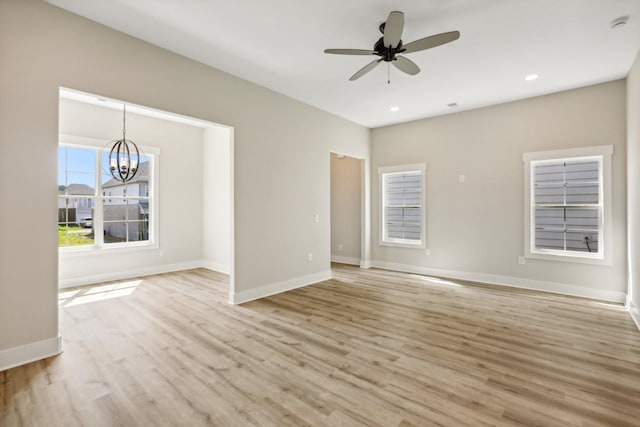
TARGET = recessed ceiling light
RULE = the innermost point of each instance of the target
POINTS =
(452, 105)
(394, 108)
(531, 77)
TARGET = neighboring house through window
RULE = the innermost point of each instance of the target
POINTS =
(568, 204)
(402, 206)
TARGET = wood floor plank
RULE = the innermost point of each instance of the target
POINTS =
(367, 348)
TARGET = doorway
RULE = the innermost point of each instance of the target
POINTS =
(347, 208)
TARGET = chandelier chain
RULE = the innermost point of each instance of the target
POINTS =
(124, 121)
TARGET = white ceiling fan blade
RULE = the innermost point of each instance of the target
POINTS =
(406, 65)
(349, 51)
(431, 41)
(364, 70)
(393, 29)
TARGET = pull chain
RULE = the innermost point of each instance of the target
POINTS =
(388, 73)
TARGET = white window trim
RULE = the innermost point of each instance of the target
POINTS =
(154, 241)
(416, 167)
(606, 233)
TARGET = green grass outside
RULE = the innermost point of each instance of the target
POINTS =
(71, 236)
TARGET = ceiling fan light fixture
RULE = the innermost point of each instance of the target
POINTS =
(531, 77)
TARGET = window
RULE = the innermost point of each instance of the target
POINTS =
(567, 204)
(95, 210)
(402, 206)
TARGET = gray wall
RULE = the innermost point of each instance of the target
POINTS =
(43, 47)
(633, 178)
(475, 228)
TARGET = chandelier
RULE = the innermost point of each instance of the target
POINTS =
(124, 156)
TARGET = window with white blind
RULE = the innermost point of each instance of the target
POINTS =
(402, 206)
(568, 203)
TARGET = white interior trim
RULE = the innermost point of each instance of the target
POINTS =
(514, 282)
(635, 313)
(278, 287)
(383, 240)
(216, 266)
(129, 274)
(365, 210)
(365, 264)
(606, 178)
(345, 260)
(31, 352)
(114, 104)
(597, 150)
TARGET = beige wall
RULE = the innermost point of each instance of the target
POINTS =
(475, 229)
(346, 204)
(43, 47)
(633, 178)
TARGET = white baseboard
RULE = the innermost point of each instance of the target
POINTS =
(31, 352)
(635, 313)
(345, 260)
(216, 266)
(514, 282)
(365, 264)
(128, 274)
(276, 288)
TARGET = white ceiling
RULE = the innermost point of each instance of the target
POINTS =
(279, 44)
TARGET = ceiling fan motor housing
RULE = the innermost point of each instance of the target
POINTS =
(385, 52)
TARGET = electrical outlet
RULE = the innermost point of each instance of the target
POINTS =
(340, 247)
(316, 218)
(427, 251)
(520, 260)
(461, 179)
(309, 257)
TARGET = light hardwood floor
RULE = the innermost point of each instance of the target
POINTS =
(370, 347)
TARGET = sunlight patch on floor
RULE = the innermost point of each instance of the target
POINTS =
(96, 293)
(435, 280)
(614, 305)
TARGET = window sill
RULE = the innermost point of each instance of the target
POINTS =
(560, 257)
(75, 252)
(402, 244)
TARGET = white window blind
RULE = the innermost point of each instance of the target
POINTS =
(568, 208)
(402, 207)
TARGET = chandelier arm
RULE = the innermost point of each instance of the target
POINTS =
(121, 160)
(127, 160)
(135, 170)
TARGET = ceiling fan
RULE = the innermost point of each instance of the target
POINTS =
(389, 46)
